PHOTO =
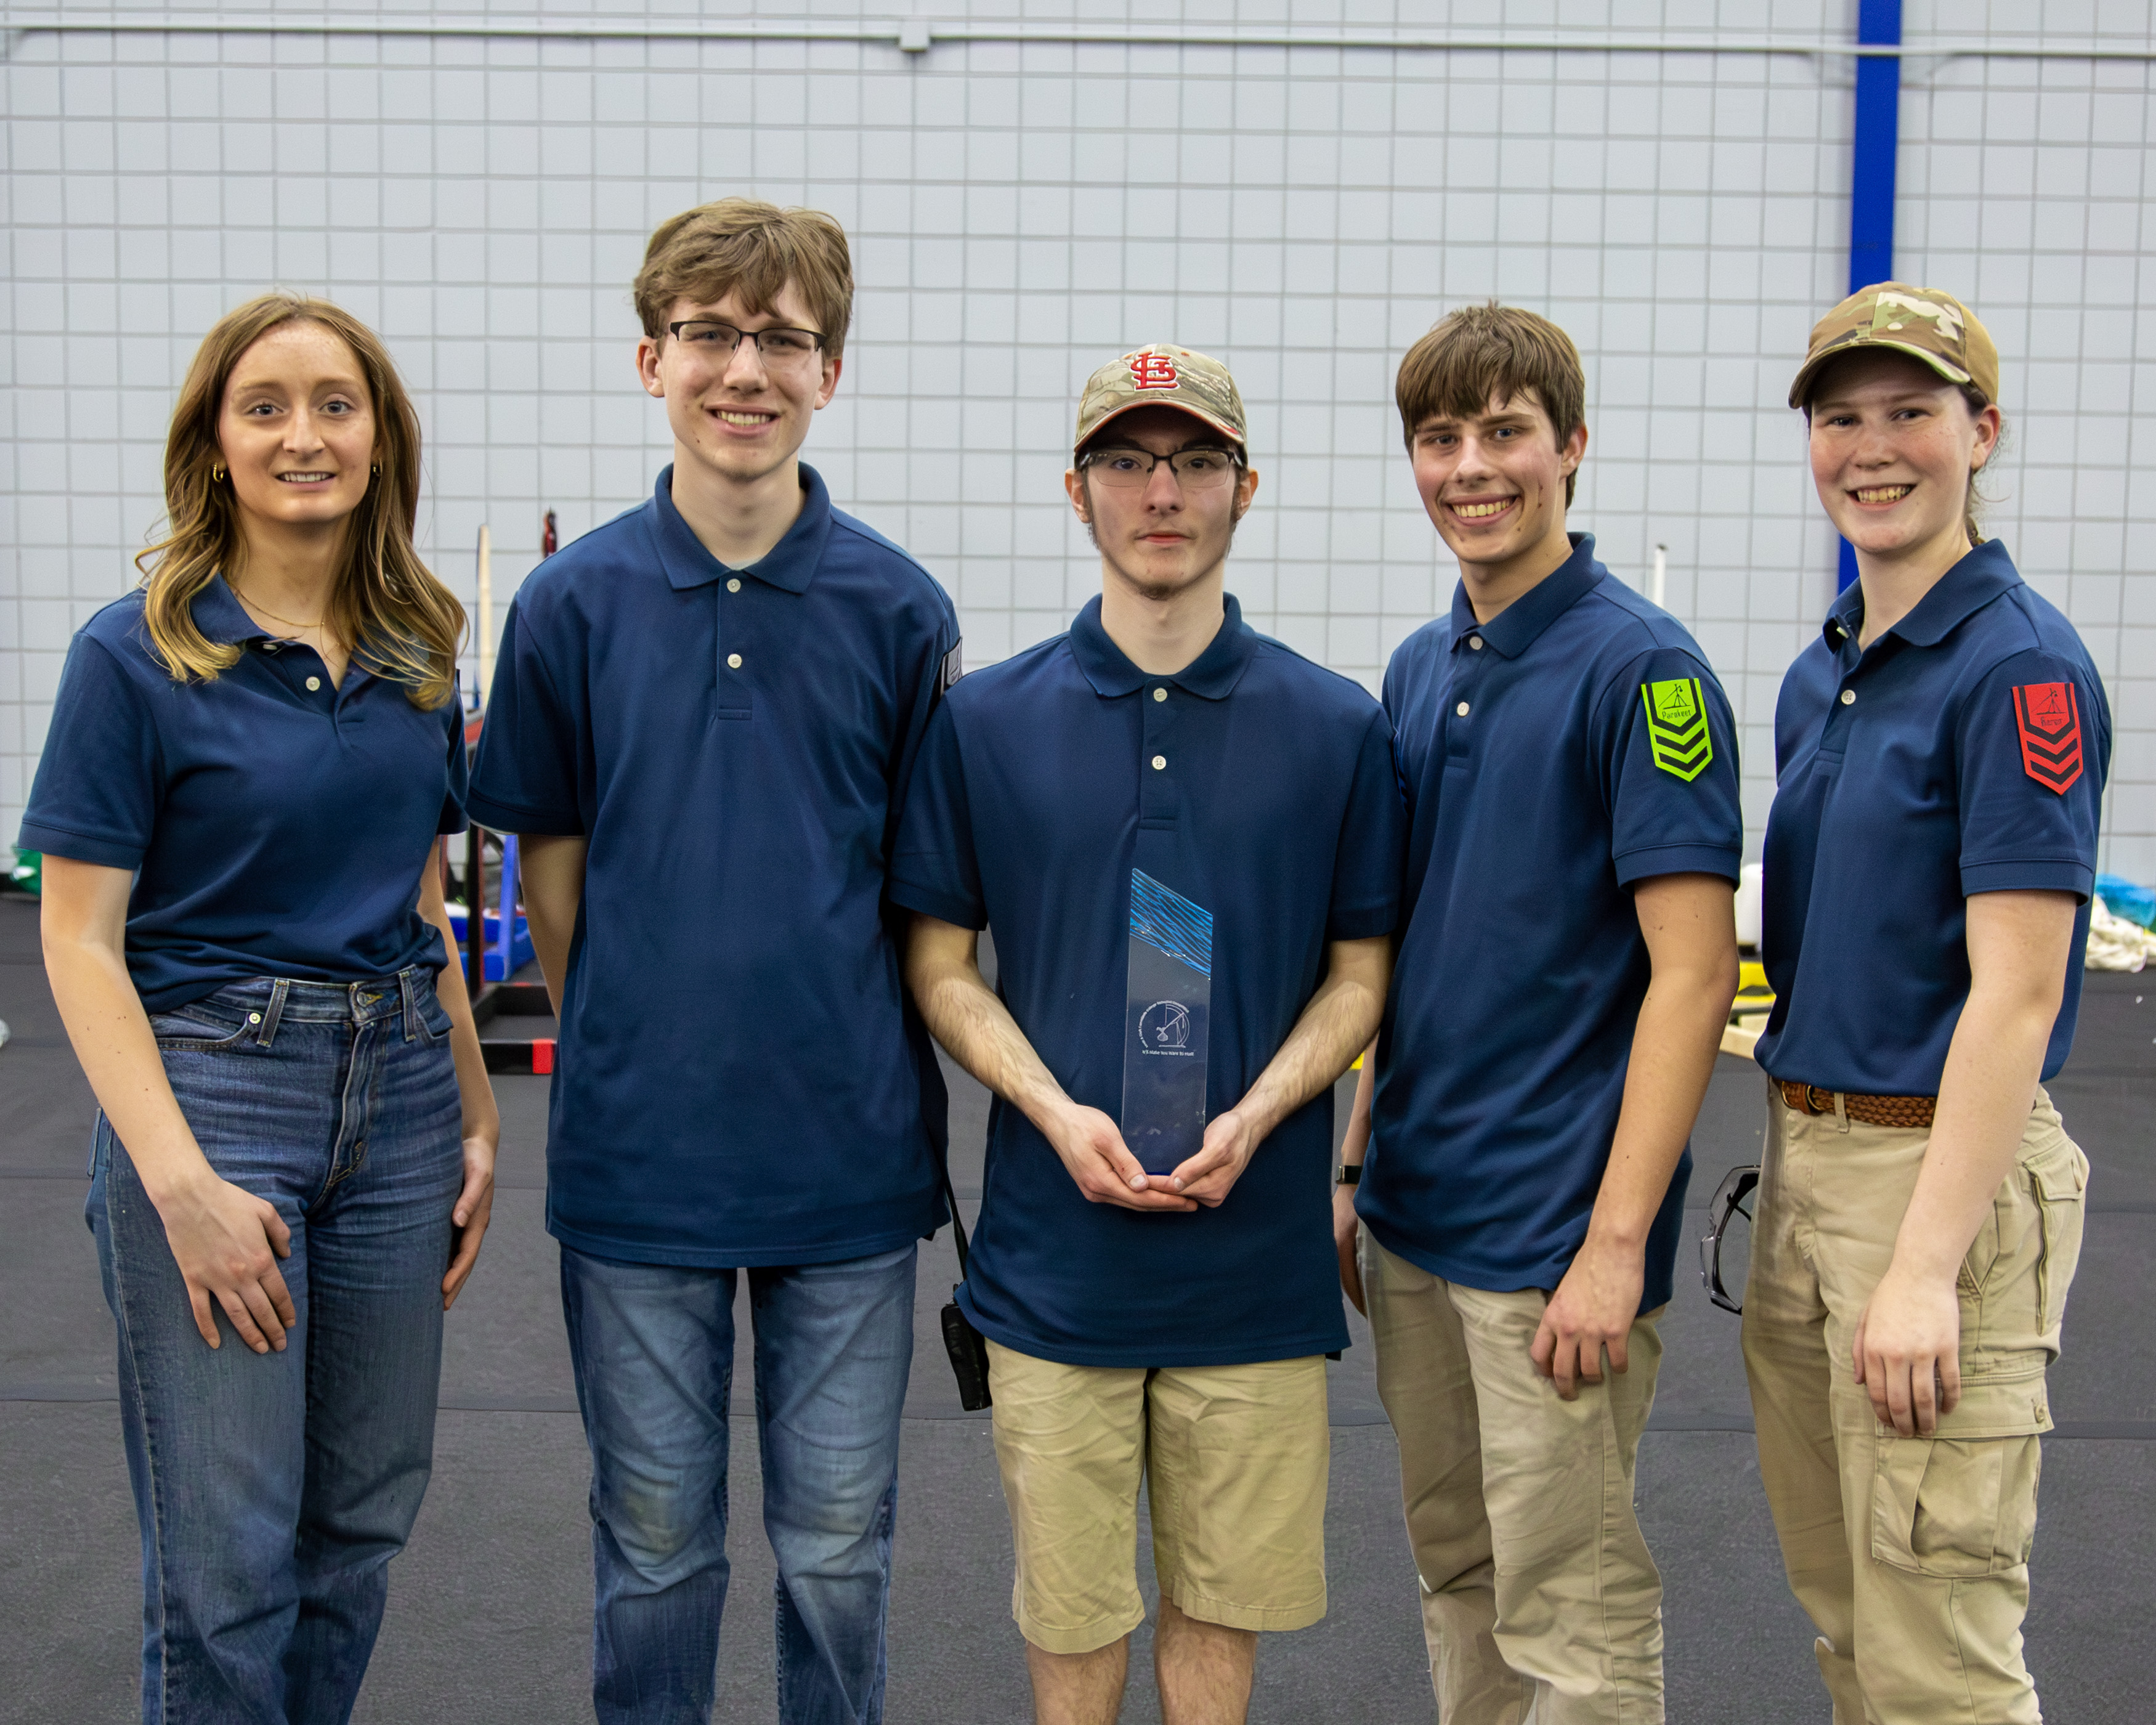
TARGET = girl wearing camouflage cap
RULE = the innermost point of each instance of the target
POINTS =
(1940, 754)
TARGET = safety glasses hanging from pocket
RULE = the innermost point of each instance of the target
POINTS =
(1725, 1249)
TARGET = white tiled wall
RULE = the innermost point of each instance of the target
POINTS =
(1022, 211)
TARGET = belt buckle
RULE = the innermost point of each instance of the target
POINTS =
(1818, 1101)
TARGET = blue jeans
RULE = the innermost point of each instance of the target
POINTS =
(653, 1349)
(272, 1489)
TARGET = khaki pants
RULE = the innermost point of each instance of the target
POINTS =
(1911, 1554)
(1540, 1604)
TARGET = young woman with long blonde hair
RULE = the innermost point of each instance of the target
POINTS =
(251, 759)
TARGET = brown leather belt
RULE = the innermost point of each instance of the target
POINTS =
(1907, 1111)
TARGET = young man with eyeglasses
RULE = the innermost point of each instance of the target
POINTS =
(704, 715)
(1187, 839)
(1566, 958)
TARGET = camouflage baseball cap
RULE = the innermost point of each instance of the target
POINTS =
(1166, 376)
(1928, 325)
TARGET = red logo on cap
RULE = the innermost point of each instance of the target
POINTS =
(1153, 370)
(2049, 721)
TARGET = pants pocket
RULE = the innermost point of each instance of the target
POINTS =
(2058, 1181)
(1948, 1507)
(195, 1033)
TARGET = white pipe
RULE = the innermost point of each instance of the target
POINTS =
(1658, 588)
(914, 35)
(485, 619)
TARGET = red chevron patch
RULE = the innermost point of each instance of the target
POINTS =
(2049, 721)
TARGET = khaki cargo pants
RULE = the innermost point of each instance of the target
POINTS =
(1911, 1554)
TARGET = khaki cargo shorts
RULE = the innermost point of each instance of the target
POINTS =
(1235, 1460)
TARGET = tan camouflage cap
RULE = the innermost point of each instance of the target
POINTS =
(1166, 376)
(1930, 325)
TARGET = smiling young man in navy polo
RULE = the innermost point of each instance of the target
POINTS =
(1566, 964)
(1186, 841)
(704, 716)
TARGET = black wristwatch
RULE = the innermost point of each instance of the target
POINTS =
(1351, 1175)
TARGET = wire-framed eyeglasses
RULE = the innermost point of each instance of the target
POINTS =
(709, 338)
(1128, 469)
(1725, 1249)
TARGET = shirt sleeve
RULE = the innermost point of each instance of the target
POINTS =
(100, 779)
(2031, 747)
(1669, 757)
(934, 869)
(460, 770)
(1373, 836)
(935, 667)
(525, 779)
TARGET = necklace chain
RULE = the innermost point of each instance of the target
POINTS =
(289, 622)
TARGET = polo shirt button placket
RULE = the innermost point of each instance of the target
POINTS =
(731, 693)
(1156, 793)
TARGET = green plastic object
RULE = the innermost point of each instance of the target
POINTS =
(28, 874)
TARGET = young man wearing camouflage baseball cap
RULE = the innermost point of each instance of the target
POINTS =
(1567, 958)
(1940, 750)
(1160, 793)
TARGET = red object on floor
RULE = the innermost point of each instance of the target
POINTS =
(542, 1055)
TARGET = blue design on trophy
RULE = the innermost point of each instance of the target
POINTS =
(1166, 1006)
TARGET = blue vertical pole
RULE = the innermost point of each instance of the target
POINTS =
(1876, 137)
(506, 929)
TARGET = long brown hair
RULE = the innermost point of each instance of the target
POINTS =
(403, 623)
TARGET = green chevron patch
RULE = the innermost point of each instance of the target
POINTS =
(1676, 727)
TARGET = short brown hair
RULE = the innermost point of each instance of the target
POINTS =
(743, 245)
(1491, 352)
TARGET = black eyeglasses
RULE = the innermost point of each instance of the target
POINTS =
(1195, 470)
(774, 346)
(1725, 1248)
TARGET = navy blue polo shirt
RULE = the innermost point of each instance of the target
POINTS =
(1963, 751)
(1554, 758)
(742, 1081)
(1256, 784)
(277, 826)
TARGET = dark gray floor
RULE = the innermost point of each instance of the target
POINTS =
(489, 1609)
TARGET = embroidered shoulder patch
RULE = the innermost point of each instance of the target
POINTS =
(2049, 721)
(1676, 727)
(953, 666)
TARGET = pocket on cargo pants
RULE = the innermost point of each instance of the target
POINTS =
(2058, 1177)
(1944, 1507)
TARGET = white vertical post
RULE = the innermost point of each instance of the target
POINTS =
(483, 624)
(1658, 590)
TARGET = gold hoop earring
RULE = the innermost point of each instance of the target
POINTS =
(375, 471)
(216, 474)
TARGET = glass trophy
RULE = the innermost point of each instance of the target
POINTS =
(1166, 1005)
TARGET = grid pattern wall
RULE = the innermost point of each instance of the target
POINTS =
(1022, 211)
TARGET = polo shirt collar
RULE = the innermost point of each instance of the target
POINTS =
(221, 618)
(790, 564)
(1212, 675)
(1955, 596)
(1513, 629)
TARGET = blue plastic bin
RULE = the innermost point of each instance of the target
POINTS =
(520, 951)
